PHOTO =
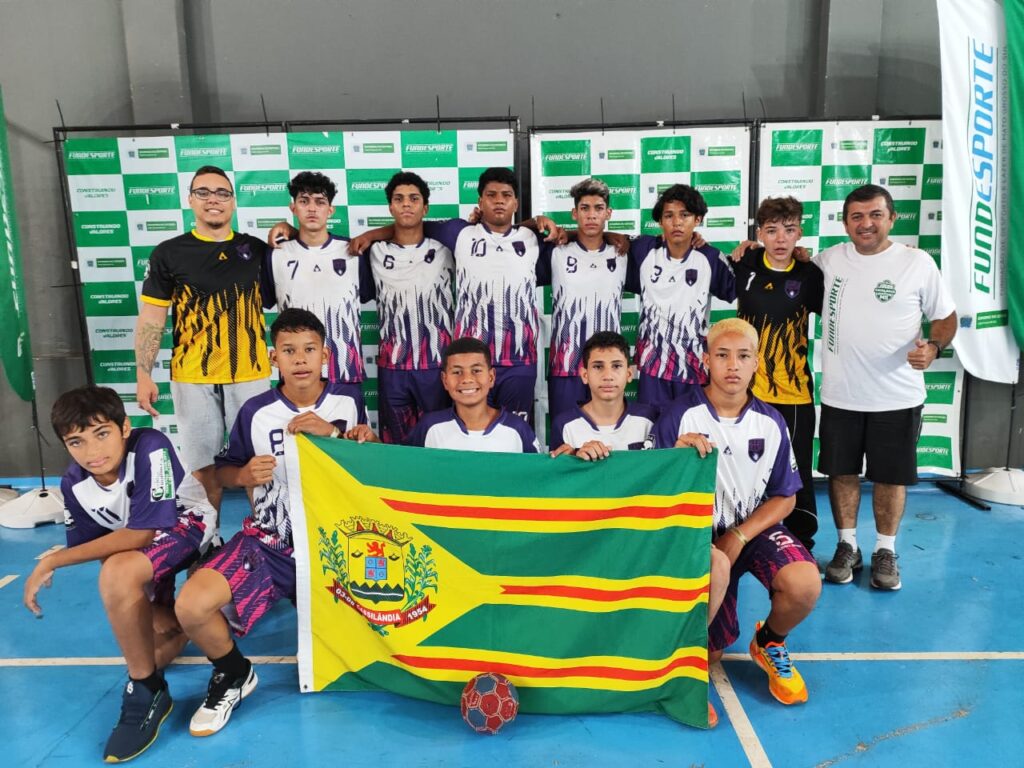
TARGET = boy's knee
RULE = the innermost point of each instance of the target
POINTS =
(125, 573)
(800, 582)
(200, 598)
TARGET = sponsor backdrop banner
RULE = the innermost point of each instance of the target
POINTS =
(820, 164)
(1014, 110)
(638, 165)
(975, 190)
(418, 569)
(15, 346)
(129, 194)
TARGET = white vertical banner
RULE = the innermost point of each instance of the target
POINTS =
(975, 226)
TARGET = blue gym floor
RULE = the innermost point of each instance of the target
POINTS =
(931, 675)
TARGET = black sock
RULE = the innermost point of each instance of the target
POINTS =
(765, 636)
(233, 664)
(154, 682)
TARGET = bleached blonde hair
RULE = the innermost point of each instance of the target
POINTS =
(732, 325)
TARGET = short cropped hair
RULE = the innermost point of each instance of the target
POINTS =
(866, 193)
(312, 183)
(407, 177)
(681, 193)
(779, 210)
(78, 409)
(499, 175)
(589, 187)
(605, 340)
(467, 345)
(294, 320)
(210, 169)
(732, 325)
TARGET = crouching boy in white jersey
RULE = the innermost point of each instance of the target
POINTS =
(607, 421)
(471, 424)
(756, 487)
(255, 569)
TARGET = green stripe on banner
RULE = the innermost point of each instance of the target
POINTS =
(616, 553)
(677, 698)
(556, 633)
(659, 473)
(1014, 10)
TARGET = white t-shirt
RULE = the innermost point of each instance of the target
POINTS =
(870, 319)
(444, 429)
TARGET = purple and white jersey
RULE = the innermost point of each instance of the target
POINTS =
(415, 303)
(586, 289)
(755, 458)
(495, 287)
(259, 430)
(675, 306)
(629, 433)
(331, 284)
(152, 492)
(444, 429)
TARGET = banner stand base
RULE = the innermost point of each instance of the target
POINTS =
(956, 488)
(998, 485)
(38, 506)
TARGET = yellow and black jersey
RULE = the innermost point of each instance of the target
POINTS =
(213, 290)
(778, 304)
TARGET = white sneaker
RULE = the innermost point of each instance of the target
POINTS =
(222, 697)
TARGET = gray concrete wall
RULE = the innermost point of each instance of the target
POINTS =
(110, 62)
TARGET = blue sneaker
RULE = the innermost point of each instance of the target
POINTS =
(142, 714)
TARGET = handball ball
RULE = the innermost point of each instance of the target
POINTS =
(489, 701)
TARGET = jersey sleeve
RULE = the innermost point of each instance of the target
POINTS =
(239, 448)
(158, 287)
(417, 438)
(78, 526)
(530, 442)
(638, 250)
(367, 288)
(445, 232)
(267, 289)
(158, 473)
(936, 303)
(815, 289)
(785, 478)
(666, 428)
(544, 263)
(557, 437)
(723, 281)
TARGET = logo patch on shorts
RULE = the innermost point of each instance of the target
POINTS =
(885, 290)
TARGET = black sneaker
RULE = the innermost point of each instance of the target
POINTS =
(222, 696)
(142, 713)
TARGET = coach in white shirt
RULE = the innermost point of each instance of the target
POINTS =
(873, 358)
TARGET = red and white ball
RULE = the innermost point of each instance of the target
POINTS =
(489, 701)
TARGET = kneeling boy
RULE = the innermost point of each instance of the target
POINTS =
(471, 424)
(607, 421)
(129, 504)
(255, 568)
(757, 480)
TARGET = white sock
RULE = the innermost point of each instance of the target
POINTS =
(885, 542)
(849, 535)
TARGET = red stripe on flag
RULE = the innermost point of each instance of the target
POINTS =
(521, 670)
(604, 595)
(551, 515)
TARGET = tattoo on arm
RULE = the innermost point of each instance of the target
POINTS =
(147, 345)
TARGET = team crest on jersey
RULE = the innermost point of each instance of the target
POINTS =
(755, 448)
(378, 572)
(885, 290)
(610, 263)
(244, 252)
(691, 276)
(340, 265)
(429, 258)
(792, 288)
(519, 247)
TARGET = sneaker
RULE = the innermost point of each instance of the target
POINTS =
(845, 561)
(222, 696)
(142, 714)
(712, 716)
(885, 574)
(784, 682)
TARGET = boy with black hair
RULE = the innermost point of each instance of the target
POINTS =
(472, 424)
(412, 284)
(586, 276)
(675, 281)
(607, 421)
(232, 590)
(130, 505)
(314, 271)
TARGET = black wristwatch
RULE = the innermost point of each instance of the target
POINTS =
(938, 347)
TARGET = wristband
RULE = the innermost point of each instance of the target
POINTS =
(336, 432)
(739, 535)
(938, 347)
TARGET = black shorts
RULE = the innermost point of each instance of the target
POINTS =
(887, 438)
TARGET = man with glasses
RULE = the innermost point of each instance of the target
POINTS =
(210, 279)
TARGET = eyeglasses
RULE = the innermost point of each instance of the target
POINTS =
(203, 193)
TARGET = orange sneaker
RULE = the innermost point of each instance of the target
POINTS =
(784, 682)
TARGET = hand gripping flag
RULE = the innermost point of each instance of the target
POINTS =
(586, 584)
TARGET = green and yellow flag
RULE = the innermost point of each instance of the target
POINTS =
(586, 584)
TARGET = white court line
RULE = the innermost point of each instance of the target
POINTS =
(738, 718)
(7, 580)
(896, 656)
(116, 661)
(50, 551)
